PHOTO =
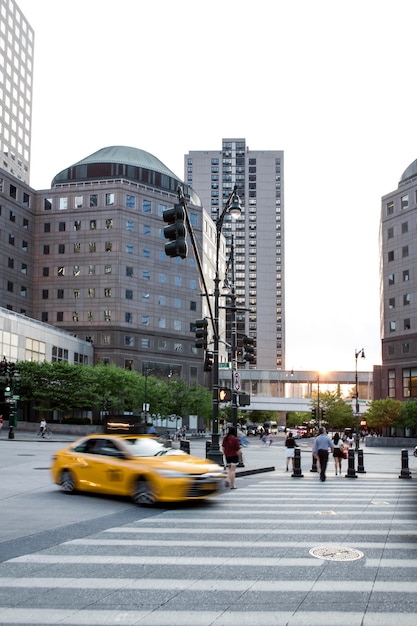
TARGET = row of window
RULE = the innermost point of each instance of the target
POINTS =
(146, 274)
(409, 382)
(404, 203)
(14, 192)
(406, 325)
(404, 254)
(146, 298)
(406, 300)
(106, 315)
(92, 201)
(405, 274)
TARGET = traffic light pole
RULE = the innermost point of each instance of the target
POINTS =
(214, 453)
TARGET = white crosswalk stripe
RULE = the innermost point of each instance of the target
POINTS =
(241, 560)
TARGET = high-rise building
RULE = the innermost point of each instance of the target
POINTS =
(397, 377)
(257, 237)
(16, 72)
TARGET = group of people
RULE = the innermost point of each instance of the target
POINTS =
(321, 447)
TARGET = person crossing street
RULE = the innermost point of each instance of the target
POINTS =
(321, 451)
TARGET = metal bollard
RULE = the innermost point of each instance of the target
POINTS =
(297, 464)
(405, 472)
(11, 432)
(361, 467)
(351, 465)
(185, 446)
(314, 465)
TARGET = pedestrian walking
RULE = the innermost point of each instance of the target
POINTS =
(231, 449)
(338, 453)
(1, 422)
(290, 447)
(321, 451)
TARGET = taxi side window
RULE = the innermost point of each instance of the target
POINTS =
(108, 448)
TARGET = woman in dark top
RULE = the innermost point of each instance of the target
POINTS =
(290, 445)
(231, 447)
(338, 453)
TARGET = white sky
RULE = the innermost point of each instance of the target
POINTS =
(330, 82)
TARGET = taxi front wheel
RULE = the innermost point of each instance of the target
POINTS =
(143, 493)
(67, 482)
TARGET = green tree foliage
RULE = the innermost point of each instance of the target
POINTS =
(338, 413)
(407, 417)
(383, 413)
(70, 389)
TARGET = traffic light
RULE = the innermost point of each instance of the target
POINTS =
(249, 348)
(7, 390)
(175, 231)
(313, 413)
(208, 362)
(225, 394)
(3, 368)
(201, 333)
(323, 414)
(11, 369)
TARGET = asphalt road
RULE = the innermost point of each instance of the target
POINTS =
(280, 550)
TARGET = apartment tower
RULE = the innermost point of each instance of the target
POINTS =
(257, 238)
(16, 72)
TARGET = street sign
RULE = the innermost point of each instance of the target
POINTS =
(236, 381)
(224, 366)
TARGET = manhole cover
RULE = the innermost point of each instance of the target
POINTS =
(336, 553)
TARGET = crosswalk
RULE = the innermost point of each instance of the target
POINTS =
(276, 551)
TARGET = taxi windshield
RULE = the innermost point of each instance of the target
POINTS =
(143, 446)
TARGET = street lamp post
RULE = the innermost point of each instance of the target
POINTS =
(358, 353)
(234, 208)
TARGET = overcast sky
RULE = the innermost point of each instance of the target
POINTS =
(332, 83)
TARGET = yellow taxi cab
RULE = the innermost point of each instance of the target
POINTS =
(136, 466)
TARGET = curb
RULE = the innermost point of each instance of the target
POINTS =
(259, 470)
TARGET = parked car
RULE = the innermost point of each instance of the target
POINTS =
(136, 466)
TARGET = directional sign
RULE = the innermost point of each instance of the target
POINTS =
(236, 381)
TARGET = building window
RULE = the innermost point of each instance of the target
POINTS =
(145, 342)
(26, 199)
(391, 303)
(404, 201)
(146, 275)
(390, 256)
(13, 192)
(63, 204)
(107, 316)
(11, 239)
(391, 279)
(406, 299)
(76, 293)
(404, 228)
(90, 316)
(146, 253)
(162, 278)
(146, 206)
(107, 269)
(406, 275)
(78, 202)
(108, 246)
(77, 247)
(392, 327)
(162, 322)
(45, 271)
(77, 225)
(178, 281)
(47, 227)
(61, 270)
(129, 271)
(91, 270)
(93, 224)
(92, 246)
(47, 204)
(177, 325)
(145, 320)
(129, 294)
(129, 248)
(93, 200)
(390, 233)
(405, 251)
(146, 229)
(162, 301)
(44, 316)
(76, 270)
(193, 305)
(24, 268)
(177, 302)
(105, 339)
(24, 246)
(61, 227)
(407, 323)
(12, 216)
(405, 348)
(25, 223)
(130, 225)
(91, 292)
(130, 202)
(129, 341)
(60, 316)
(410, 382)
(391, 383)
(107, 292)
(75, 316)
(61, 248)
(109, 224)
(45, 294)
(109, 199)
(60, 294)
(128, 317)
(10, 262)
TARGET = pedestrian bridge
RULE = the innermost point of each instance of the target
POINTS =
(282, 390)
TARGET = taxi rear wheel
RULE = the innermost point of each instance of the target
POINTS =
(67, 482)
(143, 493)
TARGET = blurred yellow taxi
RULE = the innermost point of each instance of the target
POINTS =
(136, 466)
